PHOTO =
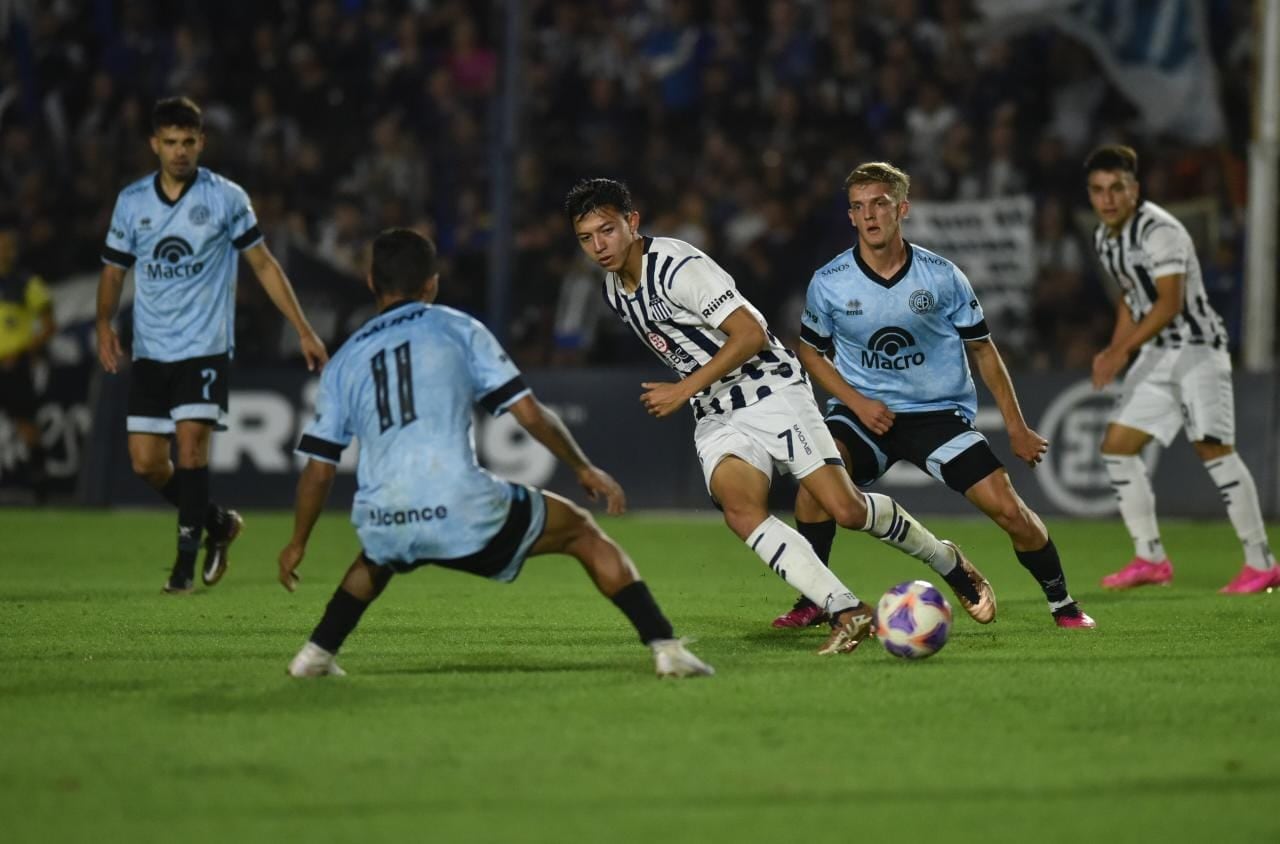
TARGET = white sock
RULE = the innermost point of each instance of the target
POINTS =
(791, 557)
(1137, 504)
(1235, 483)
(892, 524)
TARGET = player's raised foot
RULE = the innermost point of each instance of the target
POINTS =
(1251, 580)
(672, 659)
(848, 630)
(215, 549)
(982, 610)
(1072, 617)
(314, 661)
(805, 613)
(1140, 572)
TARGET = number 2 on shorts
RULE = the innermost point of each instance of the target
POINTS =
(209, 376)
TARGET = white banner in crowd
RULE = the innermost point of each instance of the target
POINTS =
(992, 240)
(1156, 53)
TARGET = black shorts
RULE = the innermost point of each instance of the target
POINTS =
(503, 556)
(942, 443)
(18, 390)
(161, 394)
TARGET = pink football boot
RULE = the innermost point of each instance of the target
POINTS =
(1251, 580)
(1140, 572)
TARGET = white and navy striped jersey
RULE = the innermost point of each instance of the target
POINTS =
(676, 311)
(1150, 245)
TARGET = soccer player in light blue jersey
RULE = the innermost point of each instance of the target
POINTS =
(405, 385)
(903, 325)
(181, 230)
(754, 410)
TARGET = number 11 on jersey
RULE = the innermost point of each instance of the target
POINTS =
(404, 387)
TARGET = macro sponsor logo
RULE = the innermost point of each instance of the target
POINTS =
(169, 260)
(714, 304)
(887, 349)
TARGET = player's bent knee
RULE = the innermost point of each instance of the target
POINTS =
(850, 513)
(743, 520)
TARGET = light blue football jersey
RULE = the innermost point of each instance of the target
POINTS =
(899, 340)
(184, 254)
(405, 386)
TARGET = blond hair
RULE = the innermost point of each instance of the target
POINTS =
(880, 172)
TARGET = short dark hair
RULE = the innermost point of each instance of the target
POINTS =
(403, 262)
(178, 112)
(1112, 157)
(590, 194)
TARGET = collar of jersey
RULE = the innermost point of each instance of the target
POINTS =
(402, 303)
(886, 283)
(622, 288)
(185, 188)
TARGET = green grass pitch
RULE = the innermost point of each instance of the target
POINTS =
(476, 712)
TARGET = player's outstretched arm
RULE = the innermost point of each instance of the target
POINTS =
(1027, 445)
(110, 283)
(744, 338)
(546, 427)
(272, 278)
(313, 490)
(873, 413)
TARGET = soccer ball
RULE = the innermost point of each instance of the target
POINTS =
(913, 620)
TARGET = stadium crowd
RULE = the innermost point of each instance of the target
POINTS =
(735, 123)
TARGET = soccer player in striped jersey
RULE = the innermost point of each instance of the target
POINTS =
(182, 230)
(1180, 379)
(902, 326)
(406, 385)
(754, 408)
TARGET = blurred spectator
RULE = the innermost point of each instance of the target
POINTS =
(736, 120)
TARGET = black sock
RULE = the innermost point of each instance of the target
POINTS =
(637, 604)
(820, 535)
(193, 501)
(960, 582)
(340, 617)
(214, 516)
(1046, 567)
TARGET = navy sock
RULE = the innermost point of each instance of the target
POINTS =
(193, 501)
(638, 605)
(960, 582)
(214, 516)
(1046, 567)
(340, 617)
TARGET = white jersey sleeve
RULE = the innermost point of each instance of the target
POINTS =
(1169, 251)
(703, 287)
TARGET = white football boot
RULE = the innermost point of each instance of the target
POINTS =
(314, 661)
(672, 659)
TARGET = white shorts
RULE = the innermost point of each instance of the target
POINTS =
(1166, 389)
(784, 430)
